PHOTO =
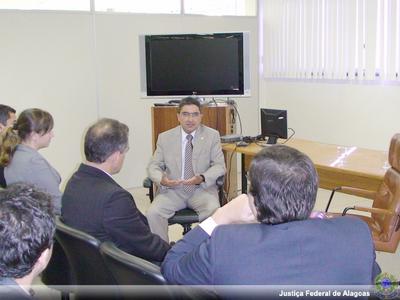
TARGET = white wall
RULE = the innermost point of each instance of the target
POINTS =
(48, 60)
(345, 114)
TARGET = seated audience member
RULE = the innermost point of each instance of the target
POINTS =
(185, 165)
(19, 154)
(278, 244)
(27, 228)
(7, 119)
(94, 203)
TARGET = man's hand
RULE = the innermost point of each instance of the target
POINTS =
(170, 182)
(237, 210)
(193, 181)
(319, 215)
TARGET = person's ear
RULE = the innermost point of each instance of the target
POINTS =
(114, 157)
(33, 136)
(44, 259)
(251, 204)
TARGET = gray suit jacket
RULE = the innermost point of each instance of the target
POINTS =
(208, 159)
(28, 165)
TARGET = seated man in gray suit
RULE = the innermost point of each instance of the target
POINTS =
(277, 243)
(186, 164)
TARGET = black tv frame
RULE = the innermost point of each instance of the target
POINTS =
(273, 124)
(237, 89)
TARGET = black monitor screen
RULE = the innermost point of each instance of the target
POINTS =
(273, 124)
(194, 64)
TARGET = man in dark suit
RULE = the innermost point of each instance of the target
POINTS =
(278, 244)
(94, 203)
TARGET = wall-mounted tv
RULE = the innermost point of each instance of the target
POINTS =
(215, 64)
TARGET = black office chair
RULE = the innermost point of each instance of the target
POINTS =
(87, 264)
(3, 183)
(185, 217)
(57, 274)
(140, 279)
(128, 269)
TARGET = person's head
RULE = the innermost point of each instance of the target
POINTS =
(27, 225)
(189, 114)
(33, 127)
(107, 140)
(284, 184)
(7, 116)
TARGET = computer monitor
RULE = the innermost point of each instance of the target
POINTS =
(273, 124)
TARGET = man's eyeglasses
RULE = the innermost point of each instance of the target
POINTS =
(188, 114)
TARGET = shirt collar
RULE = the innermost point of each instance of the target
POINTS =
(184, 134)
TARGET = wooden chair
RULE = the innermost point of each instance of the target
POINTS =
(384, 216)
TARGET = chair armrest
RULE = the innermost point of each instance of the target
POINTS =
(373, 210)
(352, 191)
(147, 182)
(220, 181)
(359, 192)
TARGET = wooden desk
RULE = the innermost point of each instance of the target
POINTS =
(336, 165)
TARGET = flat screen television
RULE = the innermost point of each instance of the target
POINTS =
(215, 64)
(273, 124)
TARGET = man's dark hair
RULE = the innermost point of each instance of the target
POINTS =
(189, 101)
(5, 112)
(27, 225)
(284, 184)
(104, 138)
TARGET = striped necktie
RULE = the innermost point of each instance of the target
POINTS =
(188, 168)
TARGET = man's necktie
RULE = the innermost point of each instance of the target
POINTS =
(188, 171)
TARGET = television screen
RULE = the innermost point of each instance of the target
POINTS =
(195, 64)
(273, 124)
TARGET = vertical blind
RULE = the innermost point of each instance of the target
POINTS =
(331, 39)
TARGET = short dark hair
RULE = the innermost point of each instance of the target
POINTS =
(104, 138)
(27, 225)
(189, 101)
(5, 112)
(284, 184)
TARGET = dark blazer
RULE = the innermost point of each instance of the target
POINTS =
(336, 251)
(94, 203)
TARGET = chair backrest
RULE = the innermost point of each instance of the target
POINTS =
(388, 197)
(3, 183)
(129, 269)
(83, 253)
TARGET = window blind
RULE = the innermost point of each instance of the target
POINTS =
(331, 39)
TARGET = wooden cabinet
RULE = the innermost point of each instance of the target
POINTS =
(221, 118)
